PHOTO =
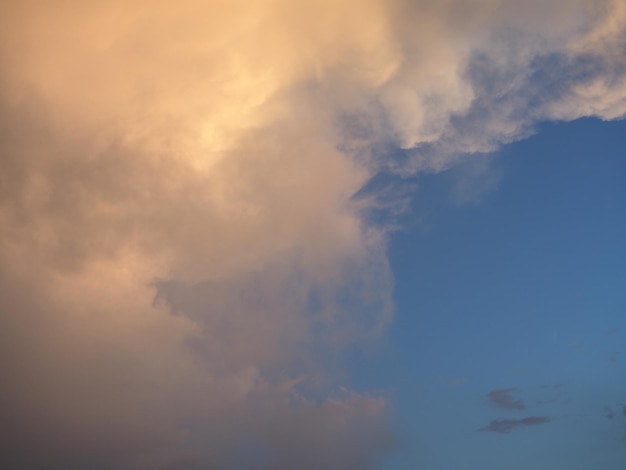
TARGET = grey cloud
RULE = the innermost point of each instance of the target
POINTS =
(503, 398)
(504, 426)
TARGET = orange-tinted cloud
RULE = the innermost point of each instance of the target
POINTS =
(182, 259)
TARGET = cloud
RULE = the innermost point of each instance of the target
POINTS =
(503, 398)
(504, 426)
(183, 259)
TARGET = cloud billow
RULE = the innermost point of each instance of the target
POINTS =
(183, 259)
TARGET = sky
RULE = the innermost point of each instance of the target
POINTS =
(512, 307)
(358, 234)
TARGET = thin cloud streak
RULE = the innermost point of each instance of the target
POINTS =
(505, 426)
(503, 398)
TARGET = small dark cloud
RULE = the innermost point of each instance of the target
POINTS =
(503, 398)
(614, 357)
(613, 331)
(505, 426)
(608, 413)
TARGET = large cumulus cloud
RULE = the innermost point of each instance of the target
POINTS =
(183, 260)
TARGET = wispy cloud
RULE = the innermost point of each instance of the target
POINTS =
(504, 426)
(504, 398)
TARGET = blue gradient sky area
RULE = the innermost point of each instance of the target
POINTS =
(519, 291)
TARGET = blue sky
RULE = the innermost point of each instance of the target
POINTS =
(525, 290)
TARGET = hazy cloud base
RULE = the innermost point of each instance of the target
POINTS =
(182, 259)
